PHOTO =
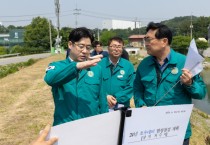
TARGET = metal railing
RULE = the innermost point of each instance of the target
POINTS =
(9, 55)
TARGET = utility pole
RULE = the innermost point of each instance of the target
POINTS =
(135, 21)
(50, 34)
(57, 11)
(137, 24)
(191, 27)
(98, 35)
(76, 13)
(58, 39)
(208, 34)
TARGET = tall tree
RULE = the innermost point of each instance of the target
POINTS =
(37, 33)
(200, 27)
(3, 29)
(106, 35)
(64, 32)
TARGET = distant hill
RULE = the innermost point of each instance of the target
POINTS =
(181, 26)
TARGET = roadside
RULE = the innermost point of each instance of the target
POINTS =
(17, 59)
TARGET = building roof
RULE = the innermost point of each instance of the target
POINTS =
(136, 36)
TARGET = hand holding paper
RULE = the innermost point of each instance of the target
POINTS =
(186, 77)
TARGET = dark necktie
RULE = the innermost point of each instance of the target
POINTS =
(111, 68)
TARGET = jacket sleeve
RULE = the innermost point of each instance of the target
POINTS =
(127, 93)
(138, 90)
(198, 88)
(59, 73)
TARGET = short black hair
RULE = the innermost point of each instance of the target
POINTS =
(115, 38)
(162, 31)
(95, 43)
(79, 33)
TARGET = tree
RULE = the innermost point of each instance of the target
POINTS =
(106, 35)
(37, 33)
(201, 45)
(200, 27)
(3, 29)
(64, 32)
(181, 43)
(10, 27)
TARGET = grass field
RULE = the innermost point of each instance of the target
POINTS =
(26, 106)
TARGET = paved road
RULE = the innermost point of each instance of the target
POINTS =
(17, 59)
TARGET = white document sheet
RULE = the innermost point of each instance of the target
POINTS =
(161, 125)
(97, 130)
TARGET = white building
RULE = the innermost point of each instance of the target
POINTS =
(119, 24)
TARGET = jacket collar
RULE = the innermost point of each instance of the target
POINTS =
(108, 62)
(172, 59)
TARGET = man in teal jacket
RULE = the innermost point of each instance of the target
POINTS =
(159, 72)
(76, 82)
(118, 75)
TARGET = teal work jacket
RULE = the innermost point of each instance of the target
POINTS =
(147, 92)
(120, 83)
(77, 94)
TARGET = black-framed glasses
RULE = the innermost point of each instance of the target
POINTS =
(148, 39)
(116, 46)
(83, 46)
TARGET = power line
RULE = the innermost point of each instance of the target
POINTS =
(76, 13)
(25, 15)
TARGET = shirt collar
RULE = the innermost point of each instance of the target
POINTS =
(166, 60)
(112, 62)
(71, 59)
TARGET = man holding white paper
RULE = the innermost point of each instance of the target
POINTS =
(162, 78)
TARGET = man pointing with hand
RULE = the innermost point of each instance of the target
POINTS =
(76, 82)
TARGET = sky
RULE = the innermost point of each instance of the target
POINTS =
(91, 13)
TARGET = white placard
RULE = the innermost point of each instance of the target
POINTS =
(161, 125)
(97, 130)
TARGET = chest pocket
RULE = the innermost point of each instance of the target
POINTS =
(149, 81)
(91, 87)
(122, 80)
(150, 85)
(92, 81)
(171, 81)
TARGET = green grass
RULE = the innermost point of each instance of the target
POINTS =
(207, 59)
(12, 68)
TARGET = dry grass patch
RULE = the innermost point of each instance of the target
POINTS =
(26, 103)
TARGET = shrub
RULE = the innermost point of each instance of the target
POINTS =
(3, 50)
(12, 68)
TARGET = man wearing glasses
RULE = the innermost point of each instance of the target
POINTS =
(161, 78)
(76, 82)
(118, 75)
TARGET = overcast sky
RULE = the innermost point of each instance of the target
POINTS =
(93, 12)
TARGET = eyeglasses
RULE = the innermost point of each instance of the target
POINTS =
(83, 46)
(148, 40)
(116, 46)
